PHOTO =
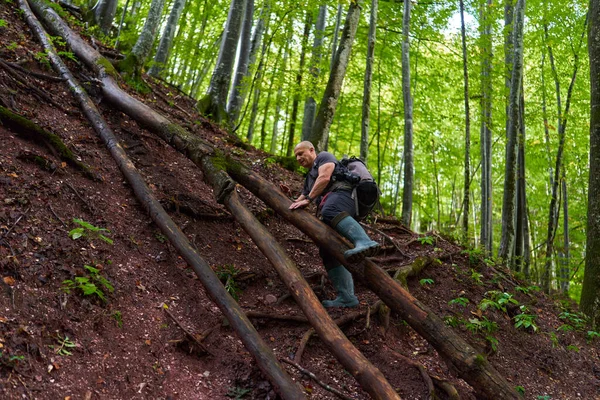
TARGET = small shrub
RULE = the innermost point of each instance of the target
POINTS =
(498, 300)
(118, 317)
(577, 320)
(91, 285)
(426, 281)
(525, 321)
(592, 335)
(88, 230)
(452, 320)
(3, 23)
(426, 240)
(64, 344)
(227, 274)
(476, 276)
(461, 301)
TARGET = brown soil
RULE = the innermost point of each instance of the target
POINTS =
(128, 347)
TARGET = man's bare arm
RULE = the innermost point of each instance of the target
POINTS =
(325, 172)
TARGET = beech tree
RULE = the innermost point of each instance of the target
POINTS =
(104, 13)
(409, 166)
(590, 294)
(366, 109)
(135, 60)
(166, 40)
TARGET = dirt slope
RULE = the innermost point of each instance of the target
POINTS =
(58, 345)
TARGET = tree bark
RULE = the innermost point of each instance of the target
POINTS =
(166, 41)
(262, 353)
(409, 165)
(121, 24)
(310, 106)
(512, 143)
(136, 59)
(590, 292)
(237, 95)
(565, 271)
(369, 377)
(320, 132)
(366, 106)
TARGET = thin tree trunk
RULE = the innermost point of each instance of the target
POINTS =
(166, 41)
(296, 101)
(104, 14)
(565, 252)
(366, 108)
(486, 128)
(237, 95)
(310, 106)
(135, 60)
(336, 31)
(215, 102)
(320, 133)
(280, 93)
(590, 292)
(512, 144)
(521, 213)
(409, 165)
(467, 124)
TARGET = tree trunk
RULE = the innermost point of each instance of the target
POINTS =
(366, 106)
(135, 60)
(565, 271)
(336, 31)
(262, 353)
(296, 101)
(590, 293)
(521, 213)
(104, 14)
(369, 377)
(485, 135)
(467, 124)
(320, 132)
(310, 106)
(512, 143)
(409, 164)
(123, 14)
(275, 132)
(166, 41)
(238, 89)
(215, 102)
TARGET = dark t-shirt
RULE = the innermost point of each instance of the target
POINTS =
(322, 158)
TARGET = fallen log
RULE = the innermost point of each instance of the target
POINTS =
(471, 366)
(369, 377)
(282, 382)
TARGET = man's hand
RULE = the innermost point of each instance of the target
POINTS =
(299, 204)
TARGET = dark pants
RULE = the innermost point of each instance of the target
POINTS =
(334, 204)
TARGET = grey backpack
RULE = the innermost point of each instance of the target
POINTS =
(365, 191)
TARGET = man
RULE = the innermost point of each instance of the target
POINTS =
(337, 208)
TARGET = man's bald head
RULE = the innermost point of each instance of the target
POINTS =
(305, 154)
(304, 145)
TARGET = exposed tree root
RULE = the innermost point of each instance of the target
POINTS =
(317, 380)
(31, 131)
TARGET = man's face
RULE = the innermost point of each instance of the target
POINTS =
(305, 156)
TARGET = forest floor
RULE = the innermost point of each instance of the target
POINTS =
(55, 344)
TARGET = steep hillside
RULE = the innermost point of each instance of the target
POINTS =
(147, 329)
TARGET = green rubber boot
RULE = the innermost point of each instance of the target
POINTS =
(343, 283)
(363, 245)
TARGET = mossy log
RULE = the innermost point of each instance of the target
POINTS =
(262, 353)
(31, 131)
(369, 377)
(471, 366)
